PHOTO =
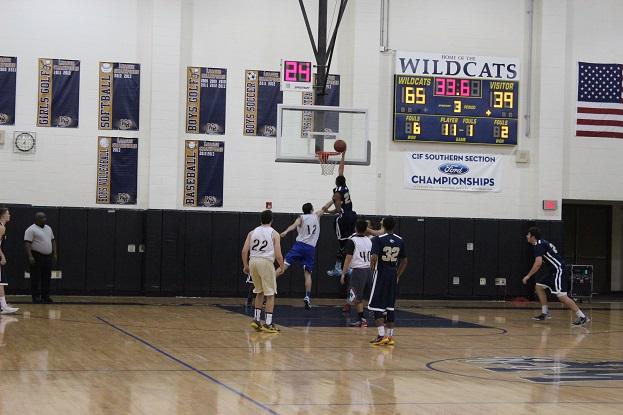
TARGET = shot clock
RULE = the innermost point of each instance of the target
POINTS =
(455, 99)
(296, 75)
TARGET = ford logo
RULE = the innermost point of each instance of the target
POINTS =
(453, 169)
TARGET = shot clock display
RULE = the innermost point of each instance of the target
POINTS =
(296, 75)
(455, 99)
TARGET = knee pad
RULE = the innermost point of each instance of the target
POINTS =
(391, 316)
(378, 315)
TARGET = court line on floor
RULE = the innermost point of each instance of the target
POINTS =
(188, 366)
(449, 403)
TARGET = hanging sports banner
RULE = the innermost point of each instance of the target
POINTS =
(449, 171)
(205, 100)
(117, 162)
(331, 120)
(8, 75)
(59, 93)
(119, 96)
(262, 94)
(203, 173)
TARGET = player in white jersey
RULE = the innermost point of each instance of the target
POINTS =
(260, 250)
(357, 251)
(304, 250)
(5, 217)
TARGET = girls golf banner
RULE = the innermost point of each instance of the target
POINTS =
(119, 95)
(58, 93)
(117, 164)
(450, 171)
(8, 73)
(203, 173)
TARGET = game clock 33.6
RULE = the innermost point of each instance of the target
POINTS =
(457, 110)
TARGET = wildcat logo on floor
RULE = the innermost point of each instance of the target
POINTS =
(548, 370)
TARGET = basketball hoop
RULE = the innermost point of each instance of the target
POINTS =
(328, 160)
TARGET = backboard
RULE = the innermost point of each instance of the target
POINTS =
(304, 130)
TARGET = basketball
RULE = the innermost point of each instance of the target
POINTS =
(339, 146)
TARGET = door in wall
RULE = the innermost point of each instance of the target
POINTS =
(588, 236)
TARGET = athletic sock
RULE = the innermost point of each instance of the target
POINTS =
(390, 332)
(579, 313)
(269, 319)
(258, 314)
(3, 303)
(308, 294)
(544, 309)
(381, 330)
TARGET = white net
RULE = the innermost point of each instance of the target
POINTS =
(328, 160)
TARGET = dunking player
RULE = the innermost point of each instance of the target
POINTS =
(304, 250)
(388, 262)
(556, 279)
(357, 251)
(263, 246)
(344, 221)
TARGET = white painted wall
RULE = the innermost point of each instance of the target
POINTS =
(165, 36)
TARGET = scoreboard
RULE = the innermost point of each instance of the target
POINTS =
(455, 99)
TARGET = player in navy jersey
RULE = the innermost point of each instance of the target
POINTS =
(388, 263)
(555, 277)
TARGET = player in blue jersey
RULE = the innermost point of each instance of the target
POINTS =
(388, 263)
(555, 277)
(304, 250)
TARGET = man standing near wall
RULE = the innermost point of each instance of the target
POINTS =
(41, 252)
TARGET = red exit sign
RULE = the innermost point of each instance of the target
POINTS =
(550, 204)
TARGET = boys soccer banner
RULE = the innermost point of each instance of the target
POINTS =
(203, 173)
(117, 162)
(205, 100)
(331, 120)
(8, 74)
(59, 93)
(262, 94)
(449, 171)
(119, 95)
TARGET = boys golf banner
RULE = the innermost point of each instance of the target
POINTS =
(452, 171)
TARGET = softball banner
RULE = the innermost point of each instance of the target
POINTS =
(8, 73)
(119, 96)
(450, 171)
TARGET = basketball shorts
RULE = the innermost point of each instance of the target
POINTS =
(263, 275)
(384, 288)
(345, 224)
(301, 253)
(359, 285)
(2, 278)
(556, 281)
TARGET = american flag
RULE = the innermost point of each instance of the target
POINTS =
(600, 100)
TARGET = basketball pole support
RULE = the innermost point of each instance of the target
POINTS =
(324, 55)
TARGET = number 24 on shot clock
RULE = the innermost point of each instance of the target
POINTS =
(296, 75)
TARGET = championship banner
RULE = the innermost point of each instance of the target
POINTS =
(119, 96)
(58, 93)
(8, 75)
(332, 98)
(448, 171)
(203, 173)
(261, 97)
(205, 100)
(117, 162)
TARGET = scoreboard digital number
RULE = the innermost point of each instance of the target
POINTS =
(454, 99)
(296, 75)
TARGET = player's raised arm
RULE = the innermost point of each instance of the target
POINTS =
(278, 254)
(326, 207)
(245, 253)
(340, 169)
(290, 228)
